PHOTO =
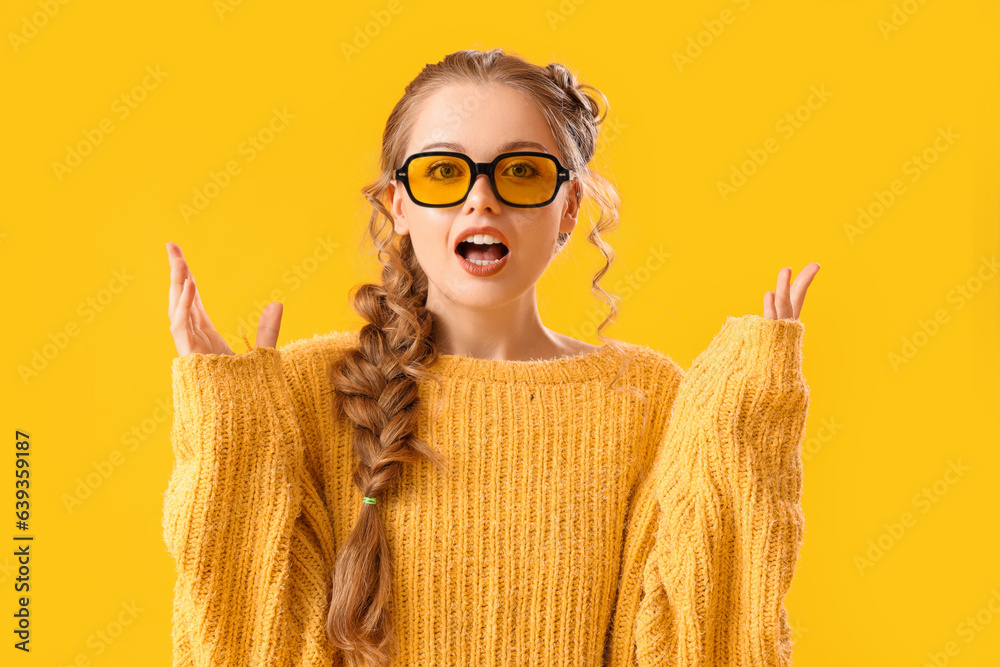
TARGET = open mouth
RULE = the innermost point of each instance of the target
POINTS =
(482, 253)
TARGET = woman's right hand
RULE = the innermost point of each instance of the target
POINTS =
(190, 325)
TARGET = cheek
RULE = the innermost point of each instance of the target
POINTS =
(430, 245)
(539, 239)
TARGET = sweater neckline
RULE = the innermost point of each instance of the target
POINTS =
(572, 368)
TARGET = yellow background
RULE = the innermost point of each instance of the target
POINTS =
(878, 433)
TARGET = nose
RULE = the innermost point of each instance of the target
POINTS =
(481, 196)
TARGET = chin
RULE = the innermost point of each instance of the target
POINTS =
(476, 293)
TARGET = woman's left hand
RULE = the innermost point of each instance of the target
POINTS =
(785, 303)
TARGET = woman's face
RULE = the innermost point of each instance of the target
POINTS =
(482, 122)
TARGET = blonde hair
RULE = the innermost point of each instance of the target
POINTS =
(376, 384)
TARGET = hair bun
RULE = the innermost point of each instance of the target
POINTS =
(566, 80)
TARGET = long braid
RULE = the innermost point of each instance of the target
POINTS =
(376, 390)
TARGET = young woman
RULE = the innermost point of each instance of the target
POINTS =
(560, 504)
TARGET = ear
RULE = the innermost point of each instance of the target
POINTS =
(397, 192)
(572, 208)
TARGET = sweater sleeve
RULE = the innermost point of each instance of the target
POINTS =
(724, 520)
(244, 519)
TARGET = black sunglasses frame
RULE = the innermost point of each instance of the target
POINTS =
(476, 168)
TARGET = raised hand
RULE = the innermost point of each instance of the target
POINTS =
(191, 326)
(784, 302)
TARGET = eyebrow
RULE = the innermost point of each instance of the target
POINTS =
(509, 146)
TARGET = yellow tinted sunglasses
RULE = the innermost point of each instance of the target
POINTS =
(524, 179)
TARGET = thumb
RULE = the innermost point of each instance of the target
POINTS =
(270, 322)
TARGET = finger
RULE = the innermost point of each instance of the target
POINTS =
(782, 302)
(199, 316)
(769, 305)
(801, 284)
(196, 315)
(204, 321)
(267, 327)
(178, 270)
(180, 327)
(199, 313)
(197, 297)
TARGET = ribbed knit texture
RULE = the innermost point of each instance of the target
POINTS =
(561, 534)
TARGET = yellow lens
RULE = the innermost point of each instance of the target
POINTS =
(438, 179)
(526, 179)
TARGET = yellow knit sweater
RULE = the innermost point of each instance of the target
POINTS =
(562, 535)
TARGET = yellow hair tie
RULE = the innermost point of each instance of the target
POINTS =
(246, 341)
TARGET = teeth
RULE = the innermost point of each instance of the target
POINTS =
(481, 239)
